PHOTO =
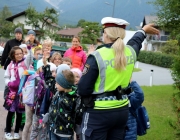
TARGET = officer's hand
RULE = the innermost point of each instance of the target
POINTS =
(149, 29)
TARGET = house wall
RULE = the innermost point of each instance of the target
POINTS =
(21, 19)
(129, 35)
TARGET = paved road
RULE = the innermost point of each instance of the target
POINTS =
(161, 76)
(1, 79)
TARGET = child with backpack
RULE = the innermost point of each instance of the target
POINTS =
(136, 98)
(62, 108)
(12, 77)
(40, 87)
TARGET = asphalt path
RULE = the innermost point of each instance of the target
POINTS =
(161, 76)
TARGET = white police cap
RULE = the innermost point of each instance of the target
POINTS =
(114, 22)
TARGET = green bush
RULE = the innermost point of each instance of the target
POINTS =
(65, 39)
(156, 58)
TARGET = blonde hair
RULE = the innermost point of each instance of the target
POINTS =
(54, 55)
(37, 49)
(48, 42)
(117, 35)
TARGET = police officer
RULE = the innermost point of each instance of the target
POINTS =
(106, 75)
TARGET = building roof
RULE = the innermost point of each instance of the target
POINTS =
(15, 16)
(149, 19)
(70, 31)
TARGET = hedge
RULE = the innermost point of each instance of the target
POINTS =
(65, 39)
(156, 58)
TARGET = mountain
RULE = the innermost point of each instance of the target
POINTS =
(71, 11)
(94, 10)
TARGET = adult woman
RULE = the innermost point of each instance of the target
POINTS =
(76, 53)
(31, 39)
(105, 77)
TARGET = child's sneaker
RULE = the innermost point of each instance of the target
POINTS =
(8, 136)
(16, 136)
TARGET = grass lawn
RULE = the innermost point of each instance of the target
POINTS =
(136, 70)
(158, 102)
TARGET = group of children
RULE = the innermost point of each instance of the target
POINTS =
(55, 84)
(52, 114)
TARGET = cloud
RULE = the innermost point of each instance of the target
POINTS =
(54, 3)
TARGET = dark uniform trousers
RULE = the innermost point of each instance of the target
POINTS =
(104, 124)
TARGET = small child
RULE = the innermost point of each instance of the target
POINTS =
(12, 77)
(68, 61)
(37, 54)
(136, 98)
(77, 74)
(56, 59)
(62, 67)
(49, 73)
(61, 111)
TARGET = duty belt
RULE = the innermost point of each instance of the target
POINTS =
(119, 92)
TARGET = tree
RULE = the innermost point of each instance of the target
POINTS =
(168, 16)
(90, 33)
(171, 47)
(81, 22)
(42, 21)
(5, 26)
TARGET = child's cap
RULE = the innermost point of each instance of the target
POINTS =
(62, 67)
(23, 46)
(62, 81)
(52, 66)
(77, 71)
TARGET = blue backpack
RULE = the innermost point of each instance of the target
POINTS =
(142, 120)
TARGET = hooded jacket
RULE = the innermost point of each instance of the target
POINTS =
(136, 98)
(77, 55)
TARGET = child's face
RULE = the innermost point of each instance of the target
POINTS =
(47, 46)
(59, 88)
(57, 61)
(18, 55)
(67, 63)
(77, 78)
(24, 51)
(53, 73)
(39, 52)
(46, 53)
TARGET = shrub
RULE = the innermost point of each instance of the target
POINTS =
(176, 96)
(171, 47)
(65, 39)
(156, 58)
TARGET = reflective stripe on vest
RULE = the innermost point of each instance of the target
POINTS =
(101, 82)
